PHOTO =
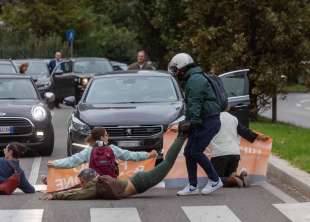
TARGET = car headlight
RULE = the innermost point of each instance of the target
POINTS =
(176, 122)
(38, 113)
(79, 125)
(84, 81)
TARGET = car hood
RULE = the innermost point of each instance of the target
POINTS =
(16, 108)
(130, 114)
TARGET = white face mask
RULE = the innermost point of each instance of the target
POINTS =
(101, 143)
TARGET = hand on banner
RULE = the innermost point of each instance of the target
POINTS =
(184, 128)
(262, 137)
(50, 164)
(153, 154)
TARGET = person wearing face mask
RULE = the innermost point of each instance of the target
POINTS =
(203, 117)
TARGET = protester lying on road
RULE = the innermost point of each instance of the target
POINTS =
(226, 150)
(10, 164)
(106, 187)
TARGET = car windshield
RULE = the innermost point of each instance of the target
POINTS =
(92, 66)
(131, 89)
(17, 89)
(7, 69)
(37, 68)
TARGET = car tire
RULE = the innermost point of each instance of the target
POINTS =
(48, 145)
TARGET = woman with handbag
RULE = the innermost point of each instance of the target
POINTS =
(12, 175)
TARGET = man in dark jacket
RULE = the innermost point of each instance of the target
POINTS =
(141, 63)
(202, 114)
(54, 62)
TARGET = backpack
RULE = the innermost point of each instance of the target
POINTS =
(219, 90)
(103, 161)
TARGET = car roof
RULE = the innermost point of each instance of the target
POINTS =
(88, 58)
(134, 73)
(29, 60)
(14, 76)
(5, 61)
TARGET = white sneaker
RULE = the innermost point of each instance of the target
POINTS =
(212, 186)
(188, 190)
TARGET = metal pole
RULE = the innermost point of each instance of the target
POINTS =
(71, 49)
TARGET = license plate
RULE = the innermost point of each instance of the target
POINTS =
(6, 130)
(129, 143)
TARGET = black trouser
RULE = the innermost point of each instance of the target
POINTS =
(225, 166)
(198, 141)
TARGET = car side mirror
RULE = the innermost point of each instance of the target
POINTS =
(69, 101)
(50, 97)
(116, 68)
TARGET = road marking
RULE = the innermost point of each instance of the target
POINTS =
(296, 212)
(210, 213)
(35, 170)
(114, 215)
(278, 193)
(33, 215)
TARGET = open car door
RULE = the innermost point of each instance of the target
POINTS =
(236, 84)
(63, 80)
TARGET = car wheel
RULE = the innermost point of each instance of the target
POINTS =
(48, 146)
(69, 146)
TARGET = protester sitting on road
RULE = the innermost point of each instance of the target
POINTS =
(97, 138)
(141, 62)
(10, 164)
(23, 68)
(225, 148)
(105, 187)
(100, 137)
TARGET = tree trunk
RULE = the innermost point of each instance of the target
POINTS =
(274, 107)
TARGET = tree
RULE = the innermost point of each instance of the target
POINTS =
(269, 37)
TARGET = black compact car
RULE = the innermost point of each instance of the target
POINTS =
(38, 70)
(137, 107)
(24, 116)
(81, 70)
(7, 67)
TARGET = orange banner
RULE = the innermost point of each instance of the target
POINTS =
(63, 179)
(254, 158)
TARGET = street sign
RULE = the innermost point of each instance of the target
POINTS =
(70, 34)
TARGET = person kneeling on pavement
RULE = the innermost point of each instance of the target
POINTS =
(225, 148)
(106, 187)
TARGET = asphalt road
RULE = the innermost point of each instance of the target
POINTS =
(294, 109)
(254, 204)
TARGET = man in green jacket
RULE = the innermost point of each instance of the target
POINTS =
(202, 114)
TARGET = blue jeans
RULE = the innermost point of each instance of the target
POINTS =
(198, 141)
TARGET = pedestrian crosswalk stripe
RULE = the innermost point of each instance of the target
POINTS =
(31, 215)
(114, 215)
(296, 212)
(210, 213)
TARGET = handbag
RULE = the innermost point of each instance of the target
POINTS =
(8, 186)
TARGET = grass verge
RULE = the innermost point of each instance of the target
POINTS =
(290, 142)
(296, 88)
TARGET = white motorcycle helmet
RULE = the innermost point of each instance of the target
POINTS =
(179, 61)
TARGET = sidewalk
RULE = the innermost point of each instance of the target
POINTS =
(288, 174)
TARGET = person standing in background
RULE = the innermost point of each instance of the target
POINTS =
(141, 63)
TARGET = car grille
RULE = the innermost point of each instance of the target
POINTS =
(20, 126)
(141, 131)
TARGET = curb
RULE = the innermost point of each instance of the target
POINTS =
(287, 174)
